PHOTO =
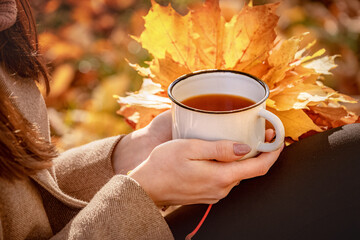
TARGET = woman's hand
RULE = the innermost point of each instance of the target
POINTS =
(183, 171)
(135, 147)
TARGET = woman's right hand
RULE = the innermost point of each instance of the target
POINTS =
(181, 172)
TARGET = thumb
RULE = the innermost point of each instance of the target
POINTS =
(223, 150)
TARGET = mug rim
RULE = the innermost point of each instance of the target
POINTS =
(185, 76)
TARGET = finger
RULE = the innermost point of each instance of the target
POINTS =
(163, 118)
(166, 114)
(269, 134)
(224, 150)
(160, 126)
(252, 167)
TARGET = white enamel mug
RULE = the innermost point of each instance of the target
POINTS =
(246, 125)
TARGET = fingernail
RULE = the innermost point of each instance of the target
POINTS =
(241, 149)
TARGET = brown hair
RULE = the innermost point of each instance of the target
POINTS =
(19, 48)
(22, 151)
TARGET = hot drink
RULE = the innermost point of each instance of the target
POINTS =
(215, 105)
(218, 102)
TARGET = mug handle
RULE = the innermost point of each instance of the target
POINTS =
(279, 130)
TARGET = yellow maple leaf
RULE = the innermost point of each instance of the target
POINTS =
(208, 32)
(299, 96)
(141, 107)
(169, 32)
(250, 34)
(332, 116)
(279, 61)
(322, 65)
(247, 42)
(296, 122)
(166, 70)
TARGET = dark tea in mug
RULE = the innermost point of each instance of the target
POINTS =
(218, 102)
(223, 104)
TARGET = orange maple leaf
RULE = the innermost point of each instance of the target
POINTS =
(204, 39)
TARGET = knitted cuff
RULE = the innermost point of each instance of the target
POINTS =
(8, 12)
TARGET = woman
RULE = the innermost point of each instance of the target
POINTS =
(84, 194)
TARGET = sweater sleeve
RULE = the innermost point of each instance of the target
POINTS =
(120, 210)
(82, 171)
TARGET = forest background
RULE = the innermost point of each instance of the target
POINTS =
(87, 44)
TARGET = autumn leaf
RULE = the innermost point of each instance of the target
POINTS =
(299, 97)
(332, 116)
(150, 93)
(250, 34)
(247, 42)
(144, 105)
(165, 69)
(208, 32)
(296, 122)
(322, 65)
(168, 32)
(279, 61)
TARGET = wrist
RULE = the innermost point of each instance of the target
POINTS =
(147, 185)
(127, 153)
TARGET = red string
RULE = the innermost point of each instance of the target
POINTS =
(190, 235)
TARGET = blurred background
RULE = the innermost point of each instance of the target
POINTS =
(88, 46)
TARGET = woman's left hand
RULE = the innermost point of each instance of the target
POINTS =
(135, 147)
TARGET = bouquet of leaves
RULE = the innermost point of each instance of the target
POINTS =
(248, 42)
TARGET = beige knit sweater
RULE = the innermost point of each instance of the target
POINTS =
(79, 197)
